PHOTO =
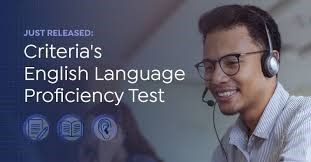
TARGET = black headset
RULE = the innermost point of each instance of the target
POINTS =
(269, 63)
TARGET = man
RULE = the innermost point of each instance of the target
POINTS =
(242, 48)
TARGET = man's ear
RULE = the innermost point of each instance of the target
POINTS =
(276, 54)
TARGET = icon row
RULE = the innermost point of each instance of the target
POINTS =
(69, 127)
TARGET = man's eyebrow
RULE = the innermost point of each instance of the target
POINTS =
(208, 59)
(231, 53)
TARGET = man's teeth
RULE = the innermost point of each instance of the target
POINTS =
(226, 94)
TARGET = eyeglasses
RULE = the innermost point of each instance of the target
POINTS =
(229, 64)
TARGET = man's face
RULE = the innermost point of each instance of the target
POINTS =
(242, 91)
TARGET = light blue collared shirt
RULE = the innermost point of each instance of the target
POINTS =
(283, 133)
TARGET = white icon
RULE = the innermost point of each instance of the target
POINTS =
(105, 128)
(70, 127)
(36, 127)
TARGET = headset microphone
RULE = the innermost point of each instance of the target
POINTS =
(210, 103)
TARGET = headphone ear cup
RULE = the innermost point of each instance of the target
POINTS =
(270, 65)
(264, 64)
(273, 66)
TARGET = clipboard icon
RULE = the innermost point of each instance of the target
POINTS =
(36, 127)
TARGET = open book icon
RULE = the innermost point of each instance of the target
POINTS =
(71, 128)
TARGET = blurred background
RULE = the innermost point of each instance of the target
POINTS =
(164, 34)
(161, 34)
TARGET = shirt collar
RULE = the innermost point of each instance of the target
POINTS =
(268, 118)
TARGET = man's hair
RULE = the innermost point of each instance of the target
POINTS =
(252, 17)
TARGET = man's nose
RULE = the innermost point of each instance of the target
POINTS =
(218, 76)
